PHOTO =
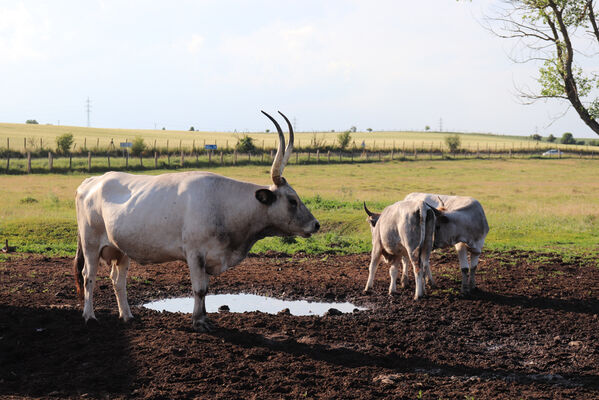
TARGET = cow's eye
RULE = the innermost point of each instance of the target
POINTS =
(293, 202)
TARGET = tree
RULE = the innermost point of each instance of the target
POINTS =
(353, 129)
(551, 138)
(192, 129)
(245, 144)
(138, 146)
(536, 137)
(549, 30)
(31, 121)
(343, 139)
(64, 143)
(453, 142)
(427, 128)
(567, 138)
(369, 129)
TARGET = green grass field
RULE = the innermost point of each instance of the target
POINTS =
(540, 205)
(22, 136)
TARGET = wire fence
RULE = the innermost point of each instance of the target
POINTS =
(123, 160)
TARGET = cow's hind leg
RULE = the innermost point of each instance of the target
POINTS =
(462, 250)
(375, 258)
(92, 259)
(118, 274)
(199, 285)
(393, 270)
(404, 272)
(419, 279)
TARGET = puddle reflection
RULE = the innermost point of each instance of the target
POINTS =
(242, 302)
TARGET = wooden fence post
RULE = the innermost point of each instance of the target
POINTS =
(155, 160)
(317, 156)
(50, 161)
(89, 161)
(28, 162)
(182, 158)
(222, 159)
(108, 158)
(70, 161)
(329, 156)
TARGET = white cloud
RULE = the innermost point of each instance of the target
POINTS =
(22, 36)
(195, 43)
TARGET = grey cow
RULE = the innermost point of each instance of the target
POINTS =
(403, 231)
(461, 222)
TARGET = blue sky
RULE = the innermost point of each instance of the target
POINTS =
(215, 64)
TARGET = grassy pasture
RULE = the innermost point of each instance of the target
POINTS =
(542, 205)
(20, 136)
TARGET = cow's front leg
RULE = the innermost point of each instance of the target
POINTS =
(375, 258)
(474, 256)
(199, 285)
(464, 266)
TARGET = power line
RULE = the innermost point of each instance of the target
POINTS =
(88, 110)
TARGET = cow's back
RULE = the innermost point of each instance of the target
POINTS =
(153, 216)
(399, 226)
(465, 212)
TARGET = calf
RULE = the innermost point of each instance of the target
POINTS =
(460, 222)
(403, 231)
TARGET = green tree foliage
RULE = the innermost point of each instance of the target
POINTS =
(192, 129)
(64, 143)
(31, 121)
(453, 142)
(245, 144)
(567, 138)
(138, 146)
(553, 33)
(536, 137)
(551, 138)
(343, 139)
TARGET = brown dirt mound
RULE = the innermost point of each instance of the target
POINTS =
(531, 331)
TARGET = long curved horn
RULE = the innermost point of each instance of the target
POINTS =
(368, 211)
(289, 148)
(277, 165)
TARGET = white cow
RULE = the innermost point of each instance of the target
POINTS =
(461, 222)
(207, 220)
(403, 231)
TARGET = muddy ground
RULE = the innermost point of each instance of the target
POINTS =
(530, 332)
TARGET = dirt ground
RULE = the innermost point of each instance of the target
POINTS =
(530, 332)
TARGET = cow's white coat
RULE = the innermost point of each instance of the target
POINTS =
(402, 232)
(207, 220)
(461, 222)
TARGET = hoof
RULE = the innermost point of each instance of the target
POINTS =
(203, 326)
(126, 319)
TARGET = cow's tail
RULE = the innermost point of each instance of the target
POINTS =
(417, 252)
(78, 264)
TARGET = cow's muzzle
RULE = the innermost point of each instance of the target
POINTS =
(313, 229)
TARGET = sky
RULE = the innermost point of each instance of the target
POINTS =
(214, 64)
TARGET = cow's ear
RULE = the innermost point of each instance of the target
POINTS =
(372, 220)
(265, 196)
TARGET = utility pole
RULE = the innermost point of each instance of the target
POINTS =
(440, 124)
(88, 110)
